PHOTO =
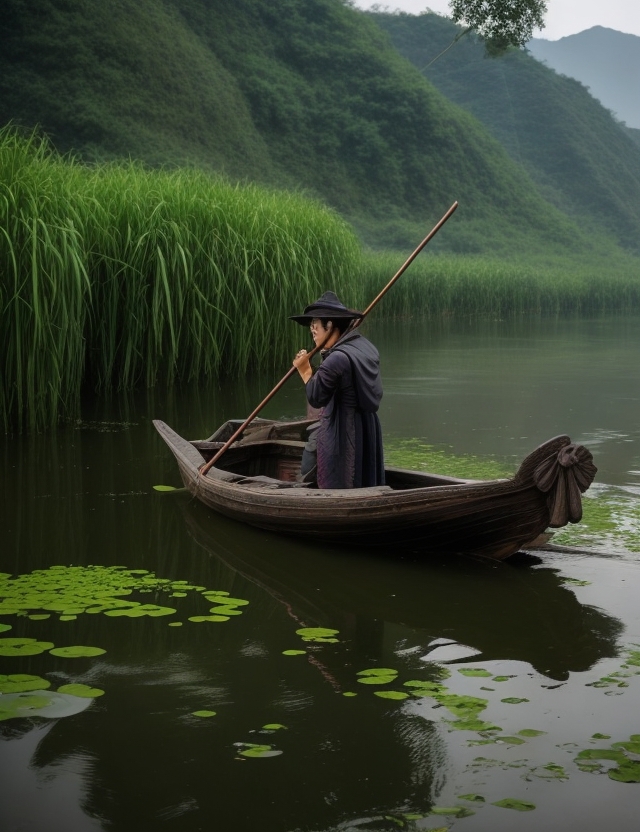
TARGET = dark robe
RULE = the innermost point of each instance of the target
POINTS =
(348, 388)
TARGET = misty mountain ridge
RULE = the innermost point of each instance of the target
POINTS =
(604, 60)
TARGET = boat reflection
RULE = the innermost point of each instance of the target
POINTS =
(518, 610)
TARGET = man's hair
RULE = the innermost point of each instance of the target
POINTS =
(341, 324)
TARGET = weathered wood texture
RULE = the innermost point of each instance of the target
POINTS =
(417, 512)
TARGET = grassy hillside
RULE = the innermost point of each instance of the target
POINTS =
(305, 94)
(580, 158)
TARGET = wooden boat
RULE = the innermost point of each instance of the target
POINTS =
(255, 482)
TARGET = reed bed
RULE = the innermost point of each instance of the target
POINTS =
(445, 286)
(117, 276)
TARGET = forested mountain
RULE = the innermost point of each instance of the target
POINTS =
(581, 159)
(313, 95)
(606, 61)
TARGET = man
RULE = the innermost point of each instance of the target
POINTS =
(348, 388)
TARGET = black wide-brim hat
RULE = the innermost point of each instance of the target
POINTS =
(327, 306)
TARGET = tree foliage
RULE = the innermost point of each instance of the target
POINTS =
(502, 23)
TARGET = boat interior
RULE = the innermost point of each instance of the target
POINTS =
(273, 450)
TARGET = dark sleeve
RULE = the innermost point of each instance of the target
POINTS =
(327, 379)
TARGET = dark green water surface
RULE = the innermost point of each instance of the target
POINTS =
(497, 696)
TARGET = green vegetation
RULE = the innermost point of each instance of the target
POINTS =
(117, 275)
(292, 94)
(447, 285)
(579, 158)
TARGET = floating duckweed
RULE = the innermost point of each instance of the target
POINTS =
(512, 803)
(627, 769)
(497, 740)
(70, 591)
(552, 771)
(23, 646)
(77, 652)
(455, 811)
(474, 671)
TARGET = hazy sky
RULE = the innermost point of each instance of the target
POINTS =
(564, 17)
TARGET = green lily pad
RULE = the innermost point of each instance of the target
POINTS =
(349, 693)
(167, 488)
(77, 652)
(42, 703)
(531, 732)
(627, 772)
(274, 726)
(23, 646)
(391, 694)
(22, 682)
(251, 750)
(200, 618)
(513, 700)
(5, 627)
(377, 676)
(318, 634)
(512, 803)
(475, 798)
(294, 652)
(203, 713)
(225, 609)
(84, 691)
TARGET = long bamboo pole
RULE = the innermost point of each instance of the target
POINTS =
(292, 370)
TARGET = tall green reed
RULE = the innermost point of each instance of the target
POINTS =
(118, 275)
(448, 285)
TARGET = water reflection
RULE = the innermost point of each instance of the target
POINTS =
(137, 759)
(512, 610)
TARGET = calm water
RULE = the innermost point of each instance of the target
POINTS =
(528, 660)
